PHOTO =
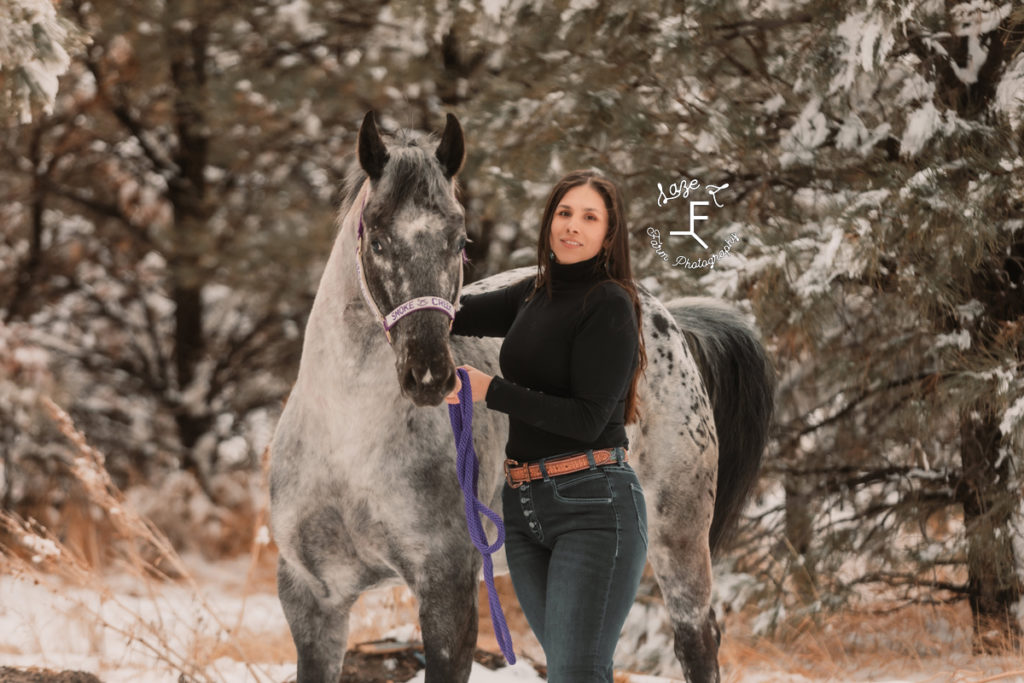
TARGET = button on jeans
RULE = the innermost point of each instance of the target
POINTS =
(576, 546)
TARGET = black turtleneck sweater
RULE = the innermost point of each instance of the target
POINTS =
(567, 360)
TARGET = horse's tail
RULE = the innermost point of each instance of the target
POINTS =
(740, 382)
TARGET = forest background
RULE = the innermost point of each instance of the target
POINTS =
(168, 204)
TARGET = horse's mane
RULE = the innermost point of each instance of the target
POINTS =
(404, 146)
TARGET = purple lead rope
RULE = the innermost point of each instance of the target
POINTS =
(468, 467)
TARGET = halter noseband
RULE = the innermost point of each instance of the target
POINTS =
(421, 303)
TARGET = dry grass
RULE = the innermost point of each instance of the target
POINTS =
(140, 550)
(914, 640)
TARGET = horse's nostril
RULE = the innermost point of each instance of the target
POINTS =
(449, 380)
(409, 382)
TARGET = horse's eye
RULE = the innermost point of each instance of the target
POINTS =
(376, 246)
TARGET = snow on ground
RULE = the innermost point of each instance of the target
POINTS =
(520, 672)
(127, 630)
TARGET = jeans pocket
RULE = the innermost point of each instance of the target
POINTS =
(640, 503)
(622, 470)
(588, 487)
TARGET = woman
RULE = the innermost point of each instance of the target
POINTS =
(575, 539)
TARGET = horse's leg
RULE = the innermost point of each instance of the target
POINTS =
(682, 564)
(319, 629)
(677, 472)
(446, 587)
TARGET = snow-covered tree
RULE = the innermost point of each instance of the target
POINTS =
(167, 221)
(35, 43)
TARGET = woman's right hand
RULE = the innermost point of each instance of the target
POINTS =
(479, 382)
(453, 398)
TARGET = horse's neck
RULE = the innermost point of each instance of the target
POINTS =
(338, 289)
(338, 344)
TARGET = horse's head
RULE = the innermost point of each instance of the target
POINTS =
(413, 236)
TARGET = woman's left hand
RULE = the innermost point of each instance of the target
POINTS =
(478, 384)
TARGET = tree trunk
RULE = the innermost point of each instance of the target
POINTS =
(799, 533)
(989, 505)
(20, 304)
(188, 37)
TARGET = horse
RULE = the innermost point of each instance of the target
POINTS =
(363, 485)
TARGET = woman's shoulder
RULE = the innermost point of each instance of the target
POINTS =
(612, 291)
(608, 299)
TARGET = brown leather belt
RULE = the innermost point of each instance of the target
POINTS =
(517, 474)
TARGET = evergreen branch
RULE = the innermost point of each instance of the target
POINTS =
(224, 371)
(865, 395)
(118, 107)
(162, 374)
(107, 209)
(762, 24)
(908, 580)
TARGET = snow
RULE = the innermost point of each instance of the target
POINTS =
(43, 547)
(978, 17)
(263, 535)
(1004, 377)
(109, 630)
(773, 104)
(79, 628)
(1009, 97)
(822, 270)
(31, 358)
(520, 671)
(296, 14)
(976, 56)
(868, 40)
(809, 132)
(915, 89)
(851, 133)
(494, 8)
(105, 629)
(233, 451)
(1013, 415)
(970, 311)
(33, 42)
(568, 15)
(922, 125)
(960, 339)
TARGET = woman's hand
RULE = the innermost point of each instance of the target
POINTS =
(478, 383)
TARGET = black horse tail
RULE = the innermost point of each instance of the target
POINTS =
(740, 382)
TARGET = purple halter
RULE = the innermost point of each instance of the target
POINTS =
(420, 303)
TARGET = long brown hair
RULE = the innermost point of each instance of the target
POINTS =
(614, 257)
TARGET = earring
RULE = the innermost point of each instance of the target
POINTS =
(551, 255)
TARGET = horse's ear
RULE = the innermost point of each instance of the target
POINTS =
(451, 151)
(372, 152)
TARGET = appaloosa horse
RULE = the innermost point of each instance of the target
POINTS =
(363, 484)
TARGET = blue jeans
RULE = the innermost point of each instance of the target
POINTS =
(576, 546)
